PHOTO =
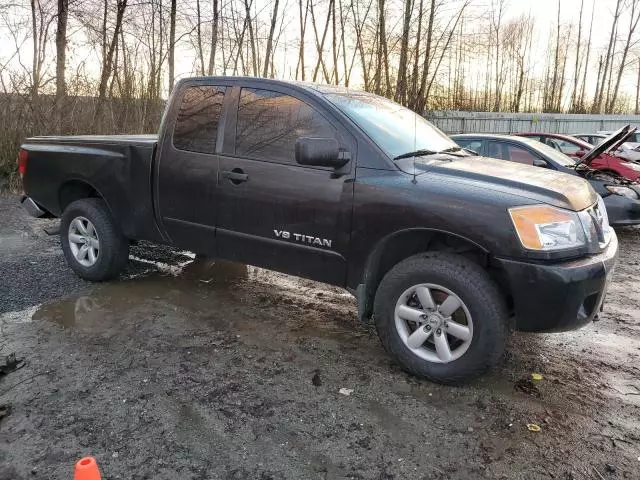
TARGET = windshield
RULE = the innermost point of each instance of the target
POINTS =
(396, 129)
(555, 155)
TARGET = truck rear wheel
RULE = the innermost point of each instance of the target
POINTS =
(92, 242)
(441, 316)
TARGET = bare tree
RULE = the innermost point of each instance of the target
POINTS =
(172, 43)
(576, 70)
(107, 67)
(497, 14)
(267, 58)
(556, 64)
(320, 44)
(61, 56)
(214, 38)
(401, 83)
(303, 26)
(633, 23)
(420, 101)
(586, 61)
(597, 106)
(249, 23)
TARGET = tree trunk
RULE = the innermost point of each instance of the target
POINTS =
(421, 101)
(586, 61)
(320, 45)
(334, 40)
(597, 107)
(199, 49)
(633, 23)
(108, 63)
(383, 44)
(214, 39)
(576, 72)
(172, 43)
(267, 56)
(595, 97)
(303, 26)
(554, 82)
(401, 82)
(254, 61)
(61, 55)
(416, 60)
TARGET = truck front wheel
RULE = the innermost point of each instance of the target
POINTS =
(92, 242)
(441, 316)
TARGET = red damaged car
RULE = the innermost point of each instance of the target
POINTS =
(576, 148)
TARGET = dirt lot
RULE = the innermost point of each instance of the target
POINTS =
(200, 370)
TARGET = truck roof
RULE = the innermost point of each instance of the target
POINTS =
(309, 86)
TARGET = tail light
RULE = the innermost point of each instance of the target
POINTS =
(23, 156)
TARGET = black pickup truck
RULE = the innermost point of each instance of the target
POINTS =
(444, 250)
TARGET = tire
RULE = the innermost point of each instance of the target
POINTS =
(111, 252)
(442, 274)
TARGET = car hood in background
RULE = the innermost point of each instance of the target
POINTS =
(612, 142)
(539, 184)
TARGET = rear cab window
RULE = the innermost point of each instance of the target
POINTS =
(196, 126)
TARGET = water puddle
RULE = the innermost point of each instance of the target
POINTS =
(212, 295)
(188, 286)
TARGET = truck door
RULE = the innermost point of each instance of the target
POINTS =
(272, 211)
(188, 167)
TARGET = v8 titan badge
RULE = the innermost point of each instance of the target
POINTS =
(302, 238)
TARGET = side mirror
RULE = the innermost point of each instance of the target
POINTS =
(320, 152)
(539, 163)
(580, 153)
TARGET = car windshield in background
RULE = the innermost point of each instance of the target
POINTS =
(396, 129)
(555, 155)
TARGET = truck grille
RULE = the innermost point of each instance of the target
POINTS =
(602, 229)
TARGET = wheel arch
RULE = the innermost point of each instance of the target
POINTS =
(76, 189)
(403, 244)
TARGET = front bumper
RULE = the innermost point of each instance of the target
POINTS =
(562, 296)
(622, 210)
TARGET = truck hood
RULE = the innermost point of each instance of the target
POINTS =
(538, 184)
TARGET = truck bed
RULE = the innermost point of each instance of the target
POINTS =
(137, 140)
(118, 167)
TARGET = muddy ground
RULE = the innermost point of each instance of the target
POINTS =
(189, 369)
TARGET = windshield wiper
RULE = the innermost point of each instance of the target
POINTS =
(417, 153)
(424, 153)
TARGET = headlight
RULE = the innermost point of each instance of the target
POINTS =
(632, 166)
(545, 228)
(624, 191)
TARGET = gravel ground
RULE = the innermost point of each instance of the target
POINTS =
(208, 370)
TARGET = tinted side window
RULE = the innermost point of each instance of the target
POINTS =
(269, 123)
(197, 123)
(520, 155)
(494, 150)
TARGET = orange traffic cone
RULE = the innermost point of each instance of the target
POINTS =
(86, 469)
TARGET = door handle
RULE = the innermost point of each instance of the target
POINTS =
(236, 176)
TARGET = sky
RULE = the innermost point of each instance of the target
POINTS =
(544, 12)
